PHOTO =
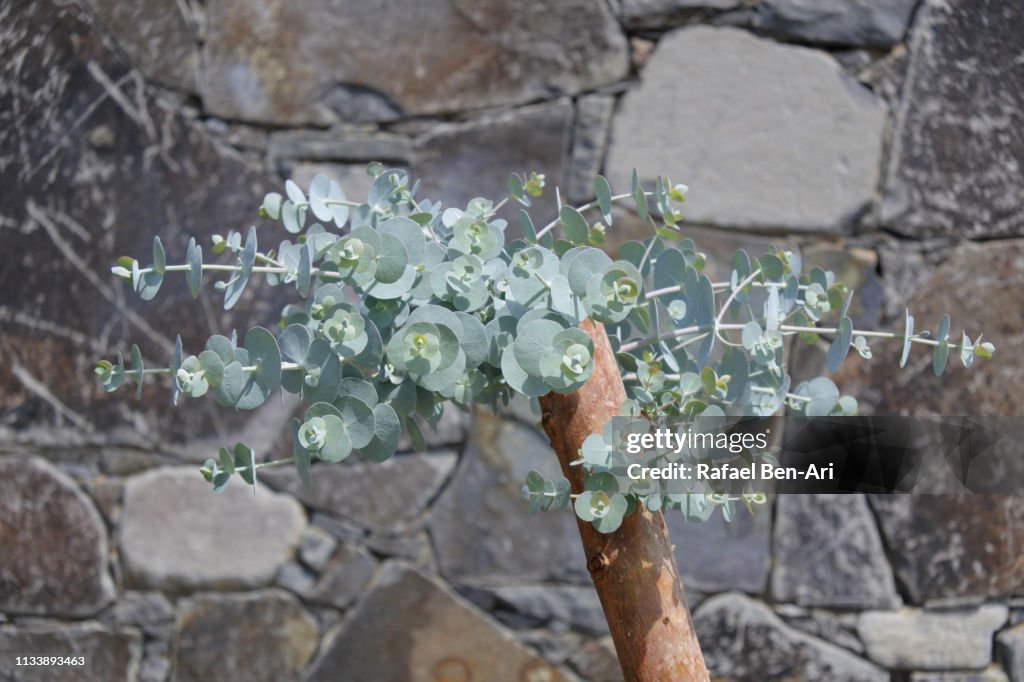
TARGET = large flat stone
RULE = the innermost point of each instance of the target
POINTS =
(412, 628)
(54, 545)
(869, 23)
(460, 161)
(93, 165)
(386, 498)
(911, 639)
(955, 163)
(589, 144)
(947, 547)
(158, 38)
(765, 135)
(481, 527)
(716, 555)
(828, 553)
(290, 64)
(743, 641)
(110, 653)
(177, 534)
(253, 636)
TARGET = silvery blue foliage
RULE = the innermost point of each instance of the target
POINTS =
(404, 306)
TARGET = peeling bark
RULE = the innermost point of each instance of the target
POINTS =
(633, 569)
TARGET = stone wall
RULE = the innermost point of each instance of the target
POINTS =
(884, 138)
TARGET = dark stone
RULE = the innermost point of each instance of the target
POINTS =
(955, 162)
(351, 61)
(828, 553)
(871, 23)
(150, 611)
(743, 641)
(541, 605)
(717, 555)
(597, 662)
(962, 286)
(93, 165)
(838, 627)
(386, 497)
(338, 145)
(460, 161)
(1010, 649)
(54, 558)
(947, 547)
(589, 143)
(411, 627)
(110, 654)
(252, 636)
(343, 578)
(661, 14)
(158, 38)
(481, 527)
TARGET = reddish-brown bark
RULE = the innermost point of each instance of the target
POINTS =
(633, 569)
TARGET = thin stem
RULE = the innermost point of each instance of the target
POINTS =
(586, 207)
(675, 333)
(725, 306)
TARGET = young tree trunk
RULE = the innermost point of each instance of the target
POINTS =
(633, 569)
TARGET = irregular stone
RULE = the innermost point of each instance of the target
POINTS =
(858, 268)
(1010, 648)
(177, 534)
(554, 647)
(923, 640)
(481, 527)
(968, 276)
(386, 497)
(598, 662)
(284, 64)
(316, 548)
(44, 520)
(743, 640)
(816, 170)
(411, 627)
(457, 162)
(343, 578)
(836, 627)
(251, 636)
(154, 669)
(954, 546)
(413, 548)
(158, 38)
(955, 161)
(716, 555)
(451, 430)
(110, 654)
(539, 605)
(93, 165)
(871, 23)
(150, 611)
(338, 145)
(589, 142)
(991, 674)
(828, 553)
(659, 14)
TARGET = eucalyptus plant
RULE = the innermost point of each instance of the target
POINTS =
(403, 306)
